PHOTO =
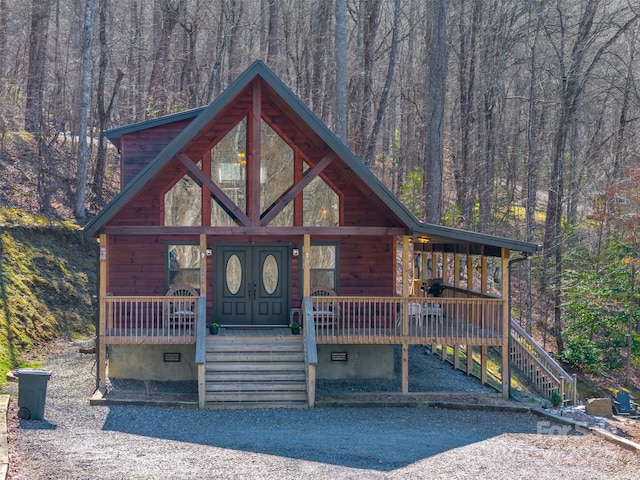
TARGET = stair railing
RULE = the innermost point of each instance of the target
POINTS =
(545, 374)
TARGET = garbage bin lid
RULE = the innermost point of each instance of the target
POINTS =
(32, 371)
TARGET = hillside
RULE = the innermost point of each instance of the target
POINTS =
(47, 280)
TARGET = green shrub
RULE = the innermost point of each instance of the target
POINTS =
(582, 353)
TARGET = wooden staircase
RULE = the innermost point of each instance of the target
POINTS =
(255, 372)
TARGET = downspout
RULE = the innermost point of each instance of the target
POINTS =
(525, 256)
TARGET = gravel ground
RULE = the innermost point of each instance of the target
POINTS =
(78, 441)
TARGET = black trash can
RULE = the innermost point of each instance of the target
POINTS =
(32, 392)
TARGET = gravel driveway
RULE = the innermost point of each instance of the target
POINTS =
(78, 441)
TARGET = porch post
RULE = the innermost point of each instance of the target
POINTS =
(484, 266)
(506, 328)
(306, 265)
(469, 269)
(201, 315)
(406, 243)
(445, 267)
(102, 293)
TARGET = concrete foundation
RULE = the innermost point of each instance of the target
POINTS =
(362, 361)
(147, 362)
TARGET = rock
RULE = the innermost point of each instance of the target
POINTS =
(600, 407)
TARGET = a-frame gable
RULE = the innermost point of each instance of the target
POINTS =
(304, 131)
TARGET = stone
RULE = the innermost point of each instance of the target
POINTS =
(600, 407)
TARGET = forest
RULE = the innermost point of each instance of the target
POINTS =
(510, 117)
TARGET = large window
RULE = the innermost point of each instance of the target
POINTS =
(182, 265)
(183, 204)
(324, 269)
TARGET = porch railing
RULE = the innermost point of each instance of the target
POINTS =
(141, 319)
(461, 321)
(539, 367)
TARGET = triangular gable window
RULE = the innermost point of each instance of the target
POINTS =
(320, 205)
(276, 173)
(183, 204)
(229, 167)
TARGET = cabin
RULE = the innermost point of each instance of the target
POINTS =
(249, 215)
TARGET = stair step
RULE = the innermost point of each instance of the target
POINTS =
(298, 376)
(255, 372)
(229, 387)
(255, 397)
(255, 357)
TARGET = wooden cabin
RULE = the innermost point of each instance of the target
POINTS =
(251, 214)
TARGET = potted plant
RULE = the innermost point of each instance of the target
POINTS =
(295, 328)
(213, 328)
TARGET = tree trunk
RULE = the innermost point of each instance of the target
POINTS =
(37, 60)
(437, 74)
(104, 111)
(81, 175)
(382, 106)
(341, 70)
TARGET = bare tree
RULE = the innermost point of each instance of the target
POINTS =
(38, 35)
(437, 74)
(341, 70)
(81, 174)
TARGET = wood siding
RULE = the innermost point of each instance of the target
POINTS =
(139, 148)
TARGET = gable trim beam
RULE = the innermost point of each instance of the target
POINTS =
(216, 192)
(254, 231)
(276, 207)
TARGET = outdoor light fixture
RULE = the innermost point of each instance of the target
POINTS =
(423, 239)
(295, 252)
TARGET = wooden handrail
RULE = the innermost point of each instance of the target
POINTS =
(540, 368)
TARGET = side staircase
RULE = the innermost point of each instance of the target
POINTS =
(544, 373)
(255, 371)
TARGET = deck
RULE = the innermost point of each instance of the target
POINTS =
(340, 320)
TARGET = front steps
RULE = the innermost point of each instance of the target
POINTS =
(255, 372)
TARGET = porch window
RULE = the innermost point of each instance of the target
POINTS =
(182, 265)
(323, 266)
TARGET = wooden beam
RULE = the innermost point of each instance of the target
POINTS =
(276, 207)
(456, 270)
(456, 357)
(406, 242)
(306, 266)
(205, 192)
(102, 289)
(483, 364)
(470, 271)
(445, 267)
(254, 155)
(219, 196)
(203, 265)
(405, 368)
(469, 360)
(255, 231)
(506, 329)
(484, 274)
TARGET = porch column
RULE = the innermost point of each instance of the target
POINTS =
(102, 293)
(406, 243)
(506, 326)
(203, 294)
(306, 265)
(469, 269)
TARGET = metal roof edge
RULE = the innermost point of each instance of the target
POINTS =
(118, 132)
(476, 237)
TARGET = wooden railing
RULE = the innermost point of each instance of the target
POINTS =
(539, 368)
(461, 321)
(136, 319)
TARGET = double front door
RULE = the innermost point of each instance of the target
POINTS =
(251, 285)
